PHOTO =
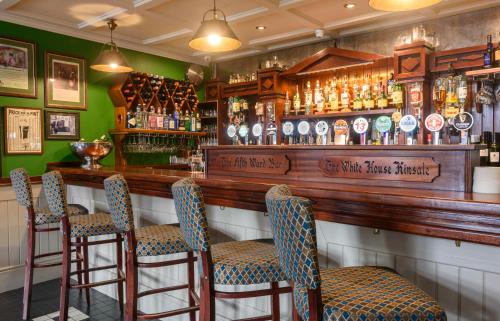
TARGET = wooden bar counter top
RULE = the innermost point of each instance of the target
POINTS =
(446, 214)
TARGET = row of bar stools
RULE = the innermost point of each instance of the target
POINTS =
(148, 241)
(76, 230)
(229, 263)
(36, 217)
(338, 294)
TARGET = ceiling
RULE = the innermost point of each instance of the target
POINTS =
(164, 27)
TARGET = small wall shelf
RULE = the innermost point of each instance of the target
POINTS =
(154, 131)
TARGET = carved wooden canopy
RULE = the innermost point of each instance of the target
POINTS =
(331, 59)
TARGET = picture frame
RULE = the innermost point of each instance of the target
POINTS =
(18, 73)
(23, 131)
(62, 125)
(65, 82)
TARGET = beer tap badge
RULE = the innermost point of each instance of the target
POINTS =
(360, 125)
(434, 122)
(304, 127)
(383, 124)
(321, 128)
(243, 131)
(231, 131)
(408, 123)
(288, 128)
(257, 130)
(463, 121)
(340, 127)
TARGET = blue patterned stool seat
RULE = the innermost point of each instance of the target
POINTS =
(370, 293)
(43, 215)
(246, 262)
(160, 240)
(92, 225)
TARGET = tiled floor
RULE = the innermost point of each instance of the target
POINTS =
(45, 305)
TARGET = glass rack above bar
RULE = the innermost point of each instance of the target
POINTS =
(154, 131)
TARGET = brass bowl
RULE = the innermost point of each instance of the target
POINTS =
(91, 152)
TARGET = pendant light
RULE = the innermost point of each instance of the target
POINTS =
(111, 60)
(401, 5)
(214, 34)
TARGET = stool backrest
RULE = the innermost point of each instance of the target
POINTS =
(294, 233)
(22, 186)
(120, 205)
(55, 192)
(190, 209)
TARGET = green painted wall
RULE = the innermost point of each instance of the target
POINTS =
(100, 113)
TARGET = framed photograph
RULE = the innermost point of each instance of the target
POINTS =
(23, 130)
(65, 82)
(18, 75)
(62, 125)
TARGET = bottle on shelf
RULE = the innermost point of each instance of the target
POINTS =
(489, 55)
(131, 121)
(198, 122)
(152, 118)
(462, 92)
(369, 102)
(357, 104)
(296, 101)
(439, 96)
(390, 84)
(397, 96)
(333, 97)
(494, 154)
(166, 119)
(193, 122)
(382, 101)
(287, 104)
(138, 116)
(318, 98)
(484, 153)
(497, 52)
(176, 117)
(345, 97)
(159, 118)
(451, 103)
(308, 98)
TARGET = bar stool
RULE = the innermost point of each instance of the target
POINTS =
(80, 227)
(229, 263)
(146, 242)
(35, 217)
(340, 294)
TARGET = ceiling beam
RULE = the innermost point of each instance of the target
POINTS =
(167, 36)
(6, 4)
(103, 17)
(282, 36)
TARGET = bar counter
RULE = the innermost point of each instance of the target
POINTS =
(452, 215)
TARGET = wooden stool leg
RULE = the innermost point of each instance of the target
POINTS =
(86, 278)
(28, 269)
(275, 302)
(119, 269)
(131, 281)
(79, 263)
(66, 269)
(207, 299)
(191, 286)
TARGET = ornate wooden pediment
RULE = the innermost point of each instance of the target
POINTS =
(330, 59)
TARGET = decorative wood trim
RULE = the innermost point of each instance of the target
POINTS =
(462, 58)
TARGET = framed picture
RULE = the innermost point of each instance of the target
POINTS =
(23, 130)
(18, 75)
(65, 82)
(62, 125)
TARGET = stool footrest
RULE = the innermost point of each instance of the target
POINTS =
(99, 268)
(47, 229)
(165, 263)
(263, 318)
(90, 243)
(161, 290)
(250, 294)
(166, 314)
(96, 284)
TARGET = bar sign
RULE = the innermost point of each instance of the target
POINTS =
(262, 164)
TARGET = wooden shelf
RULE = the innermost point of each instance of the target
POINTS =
(384, 111)
(240, 89)
(154, 131)
(208, 117)
(483, 72)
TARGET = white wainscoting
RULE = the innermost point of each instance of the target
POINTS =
(465, 279)
(13, 242)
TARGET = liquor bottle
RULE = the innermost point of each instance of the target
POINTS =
(236, 105)
(484, 154)
(166, 119)
(152, 118)
(198, 122)
(451, 102)
(287, 104)
(171, 122)
(159, 118)
(461, 91)
(296, 101)
(365, 87)
(390, 84)
(176, 117)
(308, 98)
(182, 122)
(369, 102)
(187, 122)
(497, 52)
(345, 97)
(318, 98)
(439, 96)
(358, 101)
(489, 55)
(397, 95)
(382, 101)
(333, 97)
(131, 122)
(138, 116)
(193, 122)
(494, 152)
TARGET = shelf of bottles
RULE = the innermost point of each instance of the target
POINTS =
(208, 120)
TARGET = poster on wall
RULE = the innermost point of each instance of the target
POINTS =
(18, 68)
(62, 125)
(23, 130)
(65, 82)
